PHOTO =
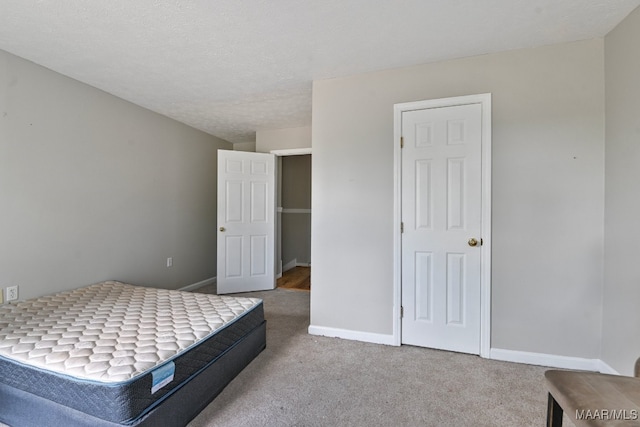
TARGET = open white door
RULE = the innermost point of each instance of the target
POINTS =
(246, 221)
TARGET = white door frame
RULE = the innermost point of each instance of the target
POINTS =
(278, 230)
(291, 152)
(485, 249)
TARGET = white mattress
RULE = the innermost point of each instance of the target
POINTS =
(112, 332)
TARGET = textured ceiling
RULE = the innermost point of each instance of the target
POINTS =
(231, 67)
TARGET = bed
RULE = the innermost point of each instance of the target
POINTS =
(114, 354)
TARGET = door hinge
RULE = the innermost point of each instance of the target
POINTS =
(401, 311)
(402, 142)
(402, 227)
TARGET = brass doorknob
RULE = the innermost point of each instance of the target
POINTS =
(472, 242)
(223, 229)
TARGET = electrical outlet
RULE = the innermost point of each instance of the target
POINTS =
(12, 293)
(169, 262)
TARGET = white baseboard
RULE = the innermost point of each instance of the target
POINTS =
(194, 286)
(550, 360)
(291, 264)
(351, 335)
(606, 369)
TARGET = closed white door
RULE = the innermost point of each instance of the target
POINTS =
(246, 221)
(441, 216)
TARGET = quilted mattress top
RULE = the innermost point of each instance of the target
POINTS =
(112, 332)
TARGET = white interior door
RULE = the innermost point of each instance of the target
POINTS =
(441, 214)
(246, 221)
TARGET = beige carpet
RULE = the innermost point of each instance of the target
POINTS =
(305, 380)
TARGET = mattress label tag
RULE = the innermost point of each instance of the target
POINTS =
(162, 376)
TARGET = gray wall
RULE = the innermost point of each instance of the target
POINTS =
(94, 188)
(621, 314)
(283, 139)
(548, 193)
(296, 194)
(244, 146)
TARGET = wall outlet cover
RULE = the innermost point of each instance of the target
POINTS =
(12, 293)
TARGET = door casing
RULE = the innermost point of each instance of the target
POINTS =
(485, 251)
(278, 230)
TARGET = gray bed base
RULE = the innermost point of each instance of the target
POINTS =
(22, 409)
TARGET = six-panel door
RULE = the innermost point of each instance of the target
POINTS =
(441, 213)
(246, 221)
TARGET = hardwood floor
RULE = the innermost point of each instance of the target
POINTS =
(298, 278)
